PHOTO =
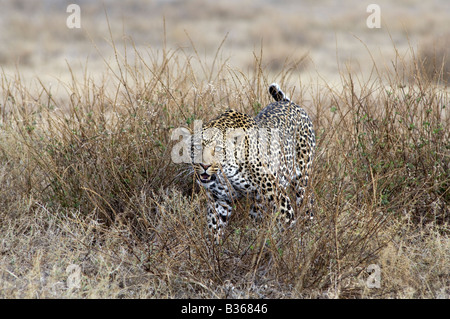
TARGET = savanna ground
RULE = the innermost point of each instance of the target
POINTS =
(91, 204)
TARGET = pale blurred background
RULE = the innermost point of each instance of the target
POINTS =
(316, 38)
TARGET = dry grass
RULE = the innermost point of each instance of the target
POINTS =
(434, 57)
(87, 179)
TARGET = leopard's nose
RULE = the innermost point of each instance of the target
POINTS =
(205, 167)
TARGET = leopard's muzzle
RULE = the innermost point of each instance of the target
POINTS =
(203, 176)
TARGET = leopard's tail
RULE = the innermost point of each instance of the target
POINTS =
(277, 94)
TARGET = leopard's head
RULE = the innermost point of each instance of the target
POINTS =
(208, 154)
(219, 144)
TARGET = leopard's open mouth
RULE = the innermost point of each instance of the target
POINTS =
(206, 178)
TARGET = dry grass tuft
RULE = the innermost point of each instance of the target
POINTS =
(435, 58)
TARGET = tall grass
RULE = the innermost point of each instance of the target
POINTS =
(87, 179)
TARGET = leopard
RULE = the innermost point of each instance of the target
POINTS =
(235, 155)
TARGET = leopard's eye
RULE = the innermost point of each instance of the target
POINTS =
(197, 146)
(218, 148)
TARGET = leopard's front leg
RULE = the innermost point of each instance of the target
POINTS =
(276, 199)
(286, 210)
(218, 213)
